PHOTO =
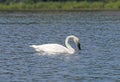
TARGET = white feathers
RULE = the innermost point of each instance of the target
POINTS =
(57, 48)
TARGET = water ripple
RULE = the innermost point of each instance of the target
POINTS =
(98, 61)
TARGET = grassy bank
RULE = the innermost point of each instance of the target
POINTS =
(62, 6)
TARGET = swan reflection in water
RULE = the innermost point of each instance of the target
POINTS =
(57, 48)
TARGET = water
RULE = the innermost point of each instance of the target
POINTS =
(98, 61)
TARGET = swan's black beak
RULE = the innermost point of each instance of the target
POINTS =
(79, 47)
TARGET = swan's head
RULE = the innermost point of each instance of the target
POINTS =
(76, 40)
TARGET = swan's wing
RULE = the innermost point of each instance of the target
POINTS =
(50, 48)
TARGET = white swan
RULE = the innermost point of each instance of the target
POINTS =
(57, 48)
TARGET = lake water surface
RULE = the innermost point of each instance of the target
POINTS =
(98, 61)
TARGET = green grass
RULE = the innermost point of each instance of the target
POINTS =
(62, 6)
(113, 5)
(97, 5)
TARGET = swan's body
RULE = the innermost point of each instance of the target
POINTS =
(57, 48)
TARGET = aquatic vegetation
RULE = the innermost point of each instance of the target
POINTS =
(97, 5)
(83, 5)
(113, 5)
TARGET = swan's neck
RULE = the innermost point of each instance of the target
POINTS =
(70, 49)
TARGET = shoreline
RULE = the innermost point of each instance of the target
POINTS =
(60, 10)
(61, 6)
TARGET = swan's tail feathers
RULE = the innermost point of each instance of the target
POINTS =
(33, 46)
